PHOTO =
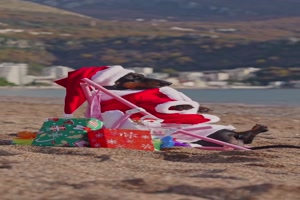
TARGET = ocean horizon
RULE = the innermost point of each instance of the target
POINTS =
(286, 97)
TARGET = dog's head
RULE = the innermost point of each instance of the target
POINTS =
(136, 81)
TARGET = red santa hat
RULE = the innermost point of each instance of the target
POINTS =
(104, 76)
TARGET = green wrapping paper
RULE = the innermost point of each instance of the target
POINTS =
(67, 132)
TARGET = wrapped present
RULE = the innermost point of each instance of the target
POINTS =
(24, 138)
(68, 132)
(121, 138)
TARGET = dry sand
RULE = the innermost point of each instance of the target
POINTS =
(177, 174)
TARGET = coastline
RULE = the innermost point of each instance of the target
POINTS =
(175, 87)
(219, 109)
(60, 101)
(32, 87)
(256, 97)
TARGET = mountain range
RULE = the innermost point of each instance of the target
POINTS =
(42, 36)
(177, 10)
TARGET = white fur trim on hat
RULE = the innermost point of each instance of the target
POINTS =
(165, 107)
(174, 94)
(109, 76)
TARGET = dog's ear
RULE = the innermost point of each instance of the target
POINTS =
(139, 81)
(128, 77)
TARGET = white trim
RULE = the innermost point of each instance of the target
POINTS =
(109, 76)
(174, 94)
(68, 115)
(212, 118)
(111, 116)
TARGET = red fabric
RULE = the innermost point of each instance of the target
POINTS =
(121, 138)
(149, 99)
(74, 94)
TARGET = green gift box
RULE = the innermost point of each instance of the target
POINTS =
(67, 132)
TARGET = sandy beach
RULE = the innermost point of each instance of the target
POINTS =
(29, 172)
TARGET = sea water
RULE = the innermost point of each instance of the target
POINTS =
(289, 97)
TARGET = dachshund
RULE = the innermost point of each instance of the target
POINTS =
(134, 81)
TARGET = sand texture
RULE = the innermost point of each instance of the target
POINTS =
(28, 172)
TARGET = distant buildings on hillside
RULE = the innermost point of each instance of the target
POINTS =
(17, 73)
(56, 71)
(14, 73)
(203, 79)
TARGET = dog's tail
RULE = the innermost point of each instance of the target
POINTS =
(275, 146)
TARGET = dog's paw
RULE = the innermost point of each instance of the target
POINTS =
(181, 107)
(204, 109)
(260, 128)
